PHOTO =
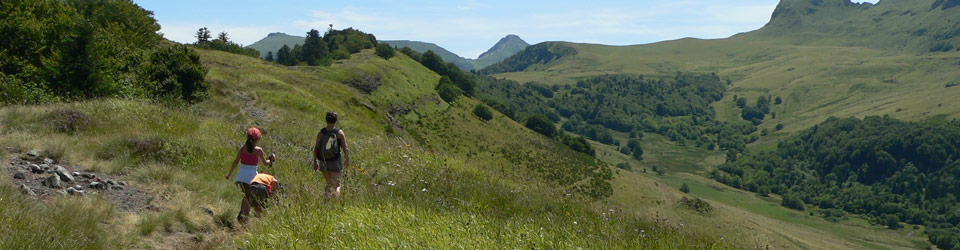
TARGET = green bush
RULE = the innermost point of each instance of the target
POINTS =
(792, 201)
(483, 112)
(542, 125)
(385, 51)
(685, 188)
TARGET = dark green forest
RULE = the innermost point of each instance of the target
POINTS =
(597, 107)
(56, 50)
(890, 170)
(222, 43)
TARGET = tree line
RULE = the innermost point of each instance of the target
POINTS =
(75, 49)
(323, 50)
(221, 43)
(890, 170)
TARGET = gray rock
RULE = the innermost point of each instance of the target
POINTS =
(117, 187)
(88, 175)
(111, 183)
(20, 175)
(61, 192)
(78, 187)
(33, 154)
(26, 190)
(53, 181)
(75, 174)
(73, 191)
(36, 169)
(97, 185)
(48, 161)
(122, 183)
(62, 172)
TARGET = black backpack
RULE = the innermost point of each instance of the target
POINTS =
(329, 147)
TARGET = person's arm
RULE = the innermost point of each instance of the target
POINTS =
(343, 146)
(260, 155)
(234, 167)
(315, 150)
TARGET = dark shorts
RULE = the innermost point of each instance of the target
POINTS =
(332, 166)
(256, 193)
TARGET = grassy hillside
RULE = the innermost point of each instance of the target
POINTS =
(436, 177)
(819, 73)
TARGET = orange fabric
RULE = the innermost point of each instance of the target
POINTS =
(265, 179)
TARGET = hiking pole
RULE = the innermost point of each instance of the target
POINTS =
(275, 172)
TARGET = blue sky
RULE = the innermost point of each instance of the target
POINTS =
(468, 28)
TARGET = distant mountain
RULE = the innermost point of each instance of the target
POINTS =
(274, 41)
(421, 47)
(506, 47)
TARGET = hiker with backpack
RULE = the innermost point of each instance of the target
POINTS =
(328, 159)
(248, 157)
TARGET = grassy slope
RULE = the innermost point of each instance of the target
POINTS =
(815, 81)
(398, 193)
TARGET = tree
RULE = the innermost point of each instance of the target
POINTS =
(742, 102)
(223, 37)
(542, 125)
(684, 188)
(313, 50)
(269, 57)
(202, 35)
(284, 57)
(385, 51)
(778, 100)
(178, 72)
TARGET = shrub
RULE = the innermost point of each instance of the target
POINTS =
(483, 112)
(685, 188)
(542, 125)
(68, 120)
(695, 204)
(385, 51)
(625, 166)
(891, 221)
(792, 201)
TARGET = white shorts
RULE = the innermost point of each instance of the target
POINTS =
(246, 173)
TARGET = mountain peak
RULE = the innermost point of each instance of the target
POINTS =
(508, 45)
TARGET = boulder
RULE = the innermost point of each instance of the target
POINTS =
(73, 191)
(88, 175)
(53, 181)
(75, 174)
(32, 154)
(62, 172)
(20, 175)
(77, 187)
(97, 185)
(48, 161)
(122, 183)
(117, 187)
(26, 190)
(111, 183)
(36, 169)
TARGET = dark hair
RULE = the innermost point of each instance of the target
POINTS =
(331, 117)
(249, 144)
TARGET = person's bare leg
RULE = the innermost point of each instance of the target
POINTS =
(245, 208)
(337, 182)
(328, 189)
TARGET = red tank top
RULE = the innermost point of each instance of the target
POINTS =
(248, 159)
